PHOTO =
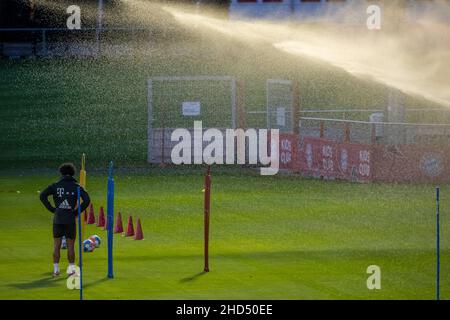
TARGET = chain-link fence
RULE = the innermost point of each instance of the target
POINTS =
(411, 114)
(375, 132)
(83, 43)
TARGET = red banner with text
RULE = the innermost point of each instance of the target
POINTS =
(411, 163)
(288, 151)
(334, 160)
(322, 158)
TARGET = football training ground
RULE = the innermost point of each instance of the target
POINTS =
(271, 238)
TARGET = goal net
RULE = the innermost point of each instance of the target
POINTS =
(176, 102)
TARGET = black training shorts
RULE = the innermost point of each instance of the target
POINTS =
(67, 230)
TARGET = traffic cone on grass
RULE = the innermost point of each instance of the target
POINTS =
(101, 218)
(91, 215)
(118, 228)
(139, 235)
(105, 227)
(130, 228)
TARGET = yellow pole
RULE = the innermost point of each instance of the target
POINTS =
(83, 184)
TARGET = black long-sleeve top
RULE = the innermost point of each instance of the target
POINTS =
(65, 198)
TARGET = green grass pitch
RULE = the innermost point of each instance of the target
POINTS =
(271, 238)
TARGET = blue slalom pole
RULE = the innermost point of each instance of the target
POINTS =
(110, 219)
(80, 243)
(438, 253)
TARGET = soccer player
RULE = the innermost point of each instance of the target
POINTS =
(65, 198)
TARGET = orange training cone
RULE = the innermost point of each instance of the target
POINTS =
(101, 218)
(130, 228)
(105, 227)
(91, 215)
(118, 228)
(139, 235)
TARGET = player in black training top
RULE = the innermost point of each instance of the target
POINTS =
(65, 198)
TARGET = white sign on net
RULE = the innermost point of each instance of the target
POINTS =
(281, 116)
(191, 108)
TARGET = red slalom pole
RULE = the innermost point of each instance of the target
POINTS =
(207, 203)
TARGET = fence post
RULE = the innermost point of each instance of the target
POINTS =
(296, 107)
(98, 30)
(438, 253)
(163, 146)
(347, 132)
(206, 211)
(44, 43)
(373, 135)
(240, 101)
(322, 129)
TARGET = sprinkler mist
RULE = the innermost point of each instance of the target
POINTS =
(414, 57)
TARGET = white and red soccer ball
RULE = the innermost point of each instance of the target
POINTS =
(91, 243)
(96, 239)
(88, 245)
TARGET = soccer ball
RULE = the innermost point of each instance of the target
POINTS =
(96, 239)
(88, 245)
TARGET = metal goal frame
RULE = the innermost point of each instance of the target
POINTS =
(151, 106)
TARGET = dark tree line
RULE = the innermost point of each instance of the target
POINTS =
(29, 14)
